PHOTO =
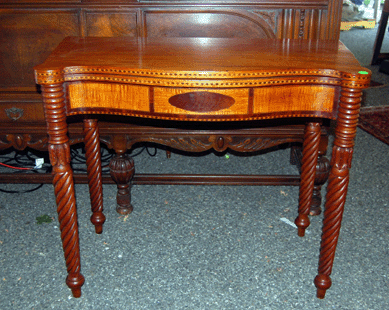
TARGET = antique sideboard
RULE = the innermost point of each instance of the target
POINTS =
(31, 29)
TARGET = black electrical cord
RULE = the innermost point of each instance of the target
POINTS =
(147, 150)
(26, 161)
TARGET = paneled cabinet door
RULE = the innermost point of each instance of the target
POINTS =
(27, 37)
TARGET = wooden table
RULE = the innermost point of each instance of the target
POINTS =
(204, 81)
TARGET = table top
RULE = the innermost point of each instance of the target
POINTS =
(201, 58)
(203, 79)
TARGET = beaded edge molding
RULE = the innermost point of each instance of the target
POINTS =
(361, 82)
(204, 118)
(200, 74)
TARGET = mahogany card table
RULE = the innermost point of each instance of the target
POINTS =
(203, 81)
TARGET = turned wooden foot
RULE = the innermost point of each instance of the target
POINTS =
(122, 171)
(308, 171)
(74, 282)
(93, 162)
(322, 283)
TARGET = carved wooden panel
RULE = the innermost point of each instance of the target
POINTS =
(210, 23)
(27, 38)
(304, 24)
(107, 23)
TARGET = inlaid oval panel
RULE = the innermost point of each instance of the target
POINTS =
(201, 101)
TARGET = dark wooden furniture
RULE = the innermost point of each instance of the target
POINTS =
(378, 57)
(201, 81)
(30, 29)
(375, 121)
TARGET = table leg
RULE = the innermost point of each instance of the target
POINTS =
(122, 171)
(342, 151)
(93, 162)
(308, 171)
(321, 176)
(59, 152)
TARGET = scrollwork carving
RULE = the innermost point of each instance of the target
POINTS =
(107, 141)
(19, 142)
(22, 141)
(59, 157)
(201, 143)
(269, 17)
(191, 143)
(253, 144)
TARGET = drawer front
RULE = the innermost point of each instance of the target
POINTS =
(180, 103)
(108, 96)
(302, 98)
(157, 100)
(184, 101)
(22, 112)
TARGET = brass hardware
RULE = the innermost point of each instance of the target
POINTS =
(14, 113)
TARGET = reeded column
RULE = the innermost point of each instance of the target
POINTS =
(93, 162)
(308, 171)
(59, 152)
(348, 113)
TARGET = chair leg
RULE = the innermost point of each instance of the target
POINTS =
(59, 152)
(342, 151)
(93, 162)
(308, 171)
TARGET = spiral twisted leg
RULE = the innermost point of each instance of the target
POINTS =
(321, 177)
(308, 170)
(59, 152)
(345, 132)
(322, 171)
(93, 162)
